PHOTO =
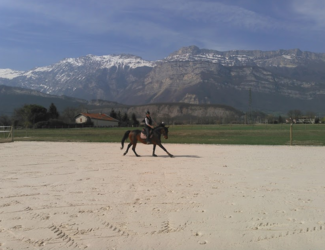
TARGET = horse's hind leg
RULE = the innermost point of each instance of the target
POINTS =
(153, 151)
(133, 148)
(127, 149)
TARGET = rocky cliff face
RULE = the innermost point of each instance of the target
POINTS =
(200, 82)
(278, 80)
(279, 58)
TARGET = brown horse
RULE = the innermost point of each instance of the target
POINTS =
(134, 137)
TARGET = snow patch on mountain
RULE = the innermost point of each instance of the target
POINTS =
(287, 57)
(109, 61)
(10, 74)
(213, 57)
(43, 69)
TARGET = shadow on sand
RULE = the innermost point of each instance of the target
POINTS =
(174, 156)
(187, 156)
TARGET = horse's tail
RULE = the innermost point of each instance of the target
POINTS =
(124, 138)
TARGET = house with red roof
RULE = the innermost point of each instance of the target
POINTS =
(99, 120)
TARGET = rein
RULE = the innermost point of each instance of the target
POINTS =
(158, 129)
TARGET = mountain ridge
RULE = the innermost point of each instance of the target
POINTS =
(290, 78)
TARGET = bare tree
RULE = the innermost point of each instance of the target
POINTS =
(294, 114)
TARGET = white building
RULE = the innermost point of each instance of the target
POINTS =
(99, 120)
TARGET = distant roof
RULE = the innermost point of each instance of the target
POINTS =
(100, 116)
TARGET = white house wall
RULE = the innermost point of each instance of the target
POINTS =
(81, 119)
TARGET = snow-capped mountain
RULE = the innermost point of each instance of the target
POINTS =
(89, 62)
(77, 77)
(278, 80)
(93, 63)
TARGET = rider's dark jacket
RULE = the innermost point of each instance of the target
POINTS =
(147, 120)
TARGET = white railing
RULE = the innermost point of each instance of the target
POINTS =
(4, 130)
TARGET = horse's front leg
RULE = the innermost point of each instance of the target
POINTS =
(165, 150)
(153, 152)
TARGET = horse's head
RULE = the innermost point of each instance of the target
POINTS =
(164, 130)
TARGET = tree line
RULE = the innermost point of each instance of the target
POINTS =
(292, 115)
(124, 119)
(37, 116)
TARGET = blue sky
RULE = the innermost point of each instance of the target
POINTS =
(36, 33)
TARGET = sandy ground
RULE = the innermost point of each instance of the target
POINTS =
(88, 195)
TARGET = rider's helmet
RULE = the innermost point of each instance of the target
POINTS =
(147, 113)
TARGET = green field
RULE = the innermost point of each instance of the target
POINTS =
(279, 134)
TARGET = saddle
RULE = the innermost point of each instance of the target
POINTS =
(143, 134)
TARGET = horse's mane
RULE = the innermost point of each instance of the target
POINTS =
(161, 125)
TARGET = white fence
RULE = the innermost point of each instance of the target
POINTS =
(6, 134)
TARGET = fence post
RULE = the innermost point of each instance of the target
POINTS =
(291, 134)
(12, 133)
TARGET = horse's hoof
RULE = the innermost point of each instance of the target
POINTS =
(171, 156)
(154, 155)
(138, 155)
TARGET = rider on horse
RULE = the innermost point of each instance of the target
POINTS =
(148, 125)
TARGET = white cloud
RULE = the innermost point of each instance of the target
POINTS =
(102, 16)
(220, 14)
(311, 10)
(82, 15)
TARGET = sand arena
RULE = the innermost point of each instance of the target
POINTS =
(57, 195)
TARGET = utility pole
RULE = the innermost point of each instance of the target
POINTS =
(250, 102)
